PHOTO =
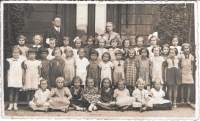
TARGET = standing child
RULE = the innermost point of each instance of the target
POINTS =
(37, 39)
(173, 75)
(78, 43)
(106, 67)
(90, 41)
(77, 95)
(66, 40)
(106, 93)
(187, 68)
(93, 68)
(40, 100)
(56, 67)
(158, 95)
(144, 67)
(139, 41)
(81, 65)
(156, 67)
(21, 41)
(141, 95)
(15, 77)
(112, 50)
(52, 45)
(45, 64)
(126, 47)
(153, 40)
(175, 45)
(69, 69)
(131, 69)
(101, 50)
(118, 67)
(91, 94)
(59, 97)
(165, 54)
(122, 96)
(33, 72)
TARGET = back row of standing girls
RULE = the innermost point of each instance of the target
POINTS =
(151, 63)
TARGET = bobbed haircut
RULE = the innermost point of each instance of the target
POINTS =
(156, 46)
(43, 81)
(137, 37)
(81, 49)
(131, 51)
(114, 40)
(42, 49)
(39, 36)
(105, 54)
(165, 45)
(56, 48)
(21, 37)
(156, 80)
(93, 51)
(118, 52)
(86, 81)
(125, 41)
(75, 79)
(106, 78)
(121, 81)
(92, 38)
(16, 48)
(175, 50)
(140, 80)
(145, 49)
(32, 50)
(66, 38)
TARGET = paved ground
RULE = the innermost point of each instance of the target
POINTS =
(180, 113)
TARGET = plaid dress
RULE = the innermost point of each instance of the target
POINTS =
(45, 69)
(130, 71)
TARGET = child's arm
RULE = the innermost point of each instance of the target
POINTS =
(151, 66)
(87, 68)
(112, 71)
(23, 77)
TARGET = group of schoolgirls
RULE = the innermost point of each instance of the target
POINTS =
(99, 78)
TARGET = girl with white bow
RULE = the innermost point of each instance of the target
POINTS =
(153, 40)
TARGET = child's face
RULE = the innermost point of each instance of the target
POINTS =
(144, 53)
(57, 53)
(121, 86)
(44, 55)
(131, 54)
(101, 43)
(81, 53)
(21, 41)
(78, 43)
(114, 44)
(90, 83)
(90, 42)
(60, 83)
(105, 57)
(140, 85)
(172, 53)
(175, 41)
(165, 50)
(157, 85)
(66, 42)
(118, 56)
(52, 44)
(156, 51)
(31, 56)
(140, 41)
(106, 83)
(126, 44)
(93, 57)
(186, 49)
(37, 40)
(15, 53)
(153, 41)
(43, 85)
(68, 53)
(77, 83)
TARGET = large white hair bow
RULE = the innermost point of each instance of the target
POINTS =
(154, 34)
(75, 39)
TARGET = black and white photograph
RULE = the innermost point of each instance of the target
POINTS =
(99, 60)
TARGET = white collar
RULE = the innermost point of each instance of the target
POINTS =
(57, 28)
(38, 46)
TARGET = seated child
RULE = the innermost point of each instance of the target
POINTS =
(122, 96)
(77, 94)
(59, 97)
(141, 95)
(158, 94)
(106, 93)
(40, 101)
(91, 94)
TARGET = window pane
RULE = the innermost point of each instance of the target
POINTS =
(81, 21)
(100, 18)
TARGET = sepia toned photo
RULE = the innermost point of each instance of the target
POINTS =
(99, 60)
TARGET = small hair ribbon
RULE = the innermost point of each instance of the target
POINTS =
(154, 34)
(75, 39)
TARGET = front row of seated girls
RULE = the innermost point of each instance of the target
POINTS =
(60, 98)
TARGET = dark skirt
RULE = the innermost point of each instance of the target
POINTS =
(173, 76)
